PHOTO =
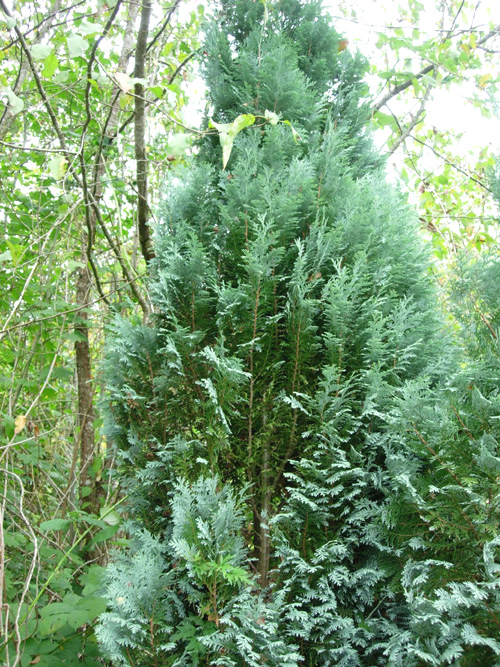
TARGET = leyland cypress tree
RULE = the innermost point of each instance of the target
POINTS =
(267, 417)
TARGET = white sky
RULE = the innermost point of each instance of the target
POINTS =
(449, 109)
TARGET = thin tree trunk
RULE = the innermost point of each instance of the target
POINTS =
(140, 134)
(84, 284)
(84, 375)
(265, 512)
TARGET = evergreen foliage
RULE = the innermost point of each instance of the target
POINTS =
(295, 415)
(187, 598)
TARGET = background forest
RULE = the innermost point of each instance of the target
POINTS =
(232, 352)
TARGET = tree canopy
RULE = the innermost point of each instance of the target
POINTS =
(290, 435)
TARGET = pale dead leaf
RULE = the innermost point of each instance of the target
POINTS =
(124, 81)
(19, 424)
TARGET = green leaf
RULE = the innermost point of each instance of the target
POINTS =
(61, 77)
(54, 524)
(105, 534)
(15, 102)
(14, 539)
(93, 605)
(92, 579)
(158, 91)
(6, 256)
(51, 624)
(77, 46)
(49, 661)
(57, 166)
(229, 131)
(97, 465)
(72, 264)
(75, 337)
(111, 518)
(54, 616)
(62, 373)
(125, 100)
(174, 88)
(179, 144)
(40, 51)
(79, 617)
(88, 28)
(50, 65)
(15, 251)
(10, 426)
(384, 119)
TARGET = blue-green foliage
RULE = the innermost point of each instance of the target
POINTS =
(296, 407)
(187, 597)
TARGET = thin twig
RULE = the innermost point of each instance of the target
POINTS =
(37, 150)
(69, 311)
(452, 164)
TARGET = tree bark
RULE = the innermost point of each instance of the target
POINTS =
(84, 282)
(140, 135)
(84, 375)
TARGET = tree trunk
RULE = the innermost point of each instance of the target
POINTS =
(262, 515)
(84, 375)
(140, 134)
(84, 285)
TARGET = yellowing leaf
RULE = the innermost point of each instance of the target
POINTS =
(57, 166)
(19, 424)
(125, 100)
(228, 132)
(483, 80)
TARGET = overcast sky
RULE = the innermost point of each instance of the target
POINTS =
(449, 109)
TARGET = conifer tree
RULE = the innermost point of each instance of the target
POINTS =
(267, 418)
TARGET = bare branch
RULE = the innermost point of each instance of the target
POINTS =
(36, 149)
(70, 311)
(164, 26)
(426, 70)
(489, 35)
(415, 120)
(181, 66)
(402, 86)
(452, 164)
